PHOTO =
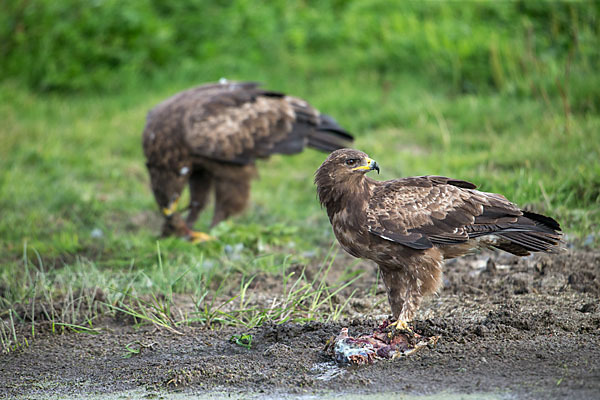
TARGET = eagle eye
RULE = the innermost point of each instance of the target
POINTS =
(350, 162)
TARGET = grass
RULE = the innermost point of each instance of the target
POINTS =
(79, 226)
(79, 296)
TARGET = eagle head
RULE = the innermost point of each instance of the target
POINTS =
(342, 170)
(346, 163)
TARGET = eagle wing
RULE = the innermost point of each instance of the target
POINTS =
(422, 211)
(239, 122)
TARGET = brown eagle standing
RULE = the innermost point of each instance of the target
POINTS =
(210, 137)
(409, 226)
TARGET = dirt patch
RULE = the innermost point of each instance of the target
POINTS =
(528, 328)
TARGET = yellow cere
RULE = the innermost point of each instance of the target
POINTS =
(368, 166)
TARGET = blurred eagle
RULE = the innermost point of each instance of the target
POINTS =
(210, 137)
(409, 226)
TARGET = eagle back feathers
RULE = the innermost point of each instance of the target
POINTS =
(239, 122)
(421, 212)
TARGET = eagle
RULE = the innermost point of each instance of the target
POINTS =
(209, 137)
(409, 226)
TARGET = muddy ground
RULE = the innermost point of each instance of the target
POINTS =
(513, 328)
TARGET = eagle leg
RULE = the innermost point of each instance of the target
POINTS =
(200, 184)
(404, 293)
(231, 196)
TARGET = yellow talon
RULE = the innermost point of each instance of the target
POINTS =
(199, 237)
(400, 325)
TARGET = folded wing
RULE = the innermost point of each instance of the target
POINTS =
(421, 212)
(239, 122)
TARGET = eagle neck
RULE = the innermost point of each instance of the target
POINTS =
(351, 196)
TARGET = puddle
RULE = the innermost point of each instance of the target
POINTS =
(327, 371)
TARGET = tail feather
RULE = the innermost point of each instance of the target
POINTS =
(540, 219)
(530, 241)
(530, 233)
(512, 248)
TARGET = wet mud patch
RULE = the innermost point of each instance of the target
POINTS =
(517, 328)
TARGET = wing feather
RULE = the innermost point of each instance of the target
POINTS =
(423, 211)
(240, 122)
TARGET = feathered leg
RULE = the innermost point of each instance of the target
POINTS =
(200, 185)
(232, 192)
(404, 295)
(406, 286)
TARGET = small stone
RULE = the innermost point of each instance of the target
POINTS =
(588, 308)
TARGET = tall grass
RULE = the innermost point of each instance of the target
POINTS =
(76, 298)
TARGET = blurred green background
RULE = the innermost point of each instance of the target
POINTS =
(518, 48)
(505, 94)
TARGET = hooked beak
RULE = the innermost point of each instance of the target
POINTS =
(170, 210)
(371, 165)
